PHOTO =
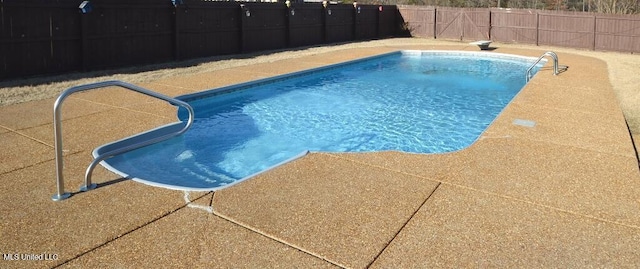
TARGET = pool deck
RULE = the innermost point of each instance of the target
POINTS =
(563, 193)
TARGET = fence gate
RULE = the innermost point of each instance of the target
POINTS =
(462, 24)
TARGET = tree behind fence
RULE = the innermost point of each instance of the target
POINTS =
(46, 37)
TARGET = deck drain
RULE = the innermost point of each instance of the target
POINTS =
(525, 123)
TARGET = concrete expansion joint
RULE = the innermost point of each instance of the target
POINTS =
(173, 86)
(441, 180)
(536, 204)
(89, 113)
(554, 143)
(495, 137)
(118, 236)
(210, 209)
(543, 107)
(404, 225)
(6, 128)
(117, 107)
(90, 101)
(376, 166)
(189, 203)
(27, 166)
(29, 137)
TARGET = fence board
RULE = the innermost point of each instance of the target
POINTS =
(566, 30)
(124, 35)
(207, 29)
(366, 22)
(306, 24)
(475, 24)
(449, 23)
(514, 26)
(418, 21)
(388, 24)
(264, 27)
(28, 39)
(463, 23)
(66, 40)
(339, 23)
(618, 34)
(37, 39)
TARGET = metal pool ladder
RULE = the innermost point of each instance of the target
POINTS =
(553, 55)
(57, 129)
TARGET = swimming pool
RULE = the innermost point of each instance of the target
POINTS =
(411, 101)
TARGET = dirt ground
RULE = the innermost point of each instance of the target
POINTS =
(624, 73)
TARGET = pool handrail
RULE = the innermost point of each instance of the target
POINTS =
(57, 129)
(553, 55)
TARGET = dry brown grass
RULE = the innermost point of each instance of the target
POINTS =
(623, 73)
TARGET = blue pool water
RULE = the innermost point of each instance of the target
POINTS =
(420, 102)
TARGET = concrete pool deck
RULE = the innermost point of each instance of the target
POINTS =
(563, 193)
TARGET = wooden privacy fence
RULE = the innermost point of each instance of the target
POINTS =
(40, 37)
(555, 28)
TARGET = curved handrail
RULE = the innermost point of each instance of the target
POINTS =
(57, 128)
(553, 55)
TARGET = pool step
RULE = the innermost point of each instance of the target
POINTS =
(121, 146)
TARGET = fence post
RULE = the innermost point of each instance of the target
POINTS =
(355, 20)
(595, 30)
(537, 28)
(378, 21)
(461, 23)
(176, 33)
(244, 12)
(435, 23)
(290, 12)
(84, 40)
(490, 25)
(324, 21)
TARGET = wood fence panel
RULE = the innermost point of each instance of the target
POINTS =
(264, 27)
(208, 29)
(37, 37)
(567, 30)
(306, 24)
(418, 20)
(618, 33)
(366, 22)
(66, 45)
(476, 24)
(27, 39)
(388, 23)
(120, 33)
(50, 36)
(339, 23)
(514, 26)
(449, 23)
